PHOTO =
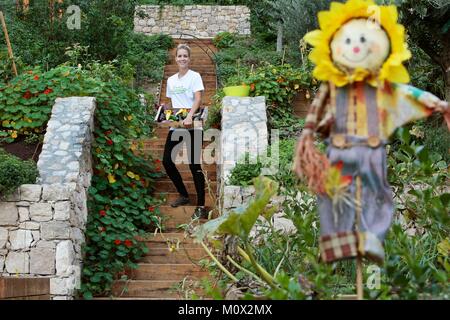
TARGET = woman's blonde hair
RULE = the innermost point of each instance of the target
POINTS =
(183, 46)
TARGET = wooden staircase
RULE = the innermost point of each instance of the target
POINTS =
(169, 264)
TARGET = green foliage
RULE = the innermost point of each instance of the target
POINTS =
(224, 40)
(240, 221)
(279, 84)
(106, 35)
(26, 101)
(425, 74)
(297, 16)
(148, 54)
(245, 170)
(244, 55)
(15, 172)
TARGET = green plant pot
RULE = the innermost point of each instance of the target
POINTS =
(237, 91)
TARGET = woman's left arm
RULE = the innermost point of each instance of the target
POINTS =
(197, 102)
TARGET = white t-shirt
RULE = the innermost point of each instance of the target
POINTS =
(181, 90)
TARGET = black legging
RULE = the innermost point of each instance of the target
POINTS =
(176, 138)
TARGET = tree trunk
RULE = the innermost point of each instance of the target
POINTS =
(280, 37)
(447, 84)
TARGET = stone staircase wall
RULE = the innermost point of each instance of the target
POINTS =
(42, 225)
(244, 129)
(201, 21)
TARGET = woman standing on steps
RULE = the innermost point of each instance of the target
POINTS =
(185, 91)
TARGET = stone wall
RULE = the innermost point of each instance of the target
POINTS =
(200, 21)
(42, 225)
(244, 129)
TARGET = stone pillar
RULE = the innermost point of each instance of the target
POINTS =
(244, 129)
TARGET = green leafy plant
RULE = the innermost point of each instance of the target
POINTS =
(15, 172)
(224, 40)
(245, 170)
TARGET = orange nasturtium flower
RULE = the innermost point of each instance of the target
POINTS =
(128, 243)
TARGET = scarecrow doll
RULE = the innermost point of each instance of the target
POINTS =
(358, 54)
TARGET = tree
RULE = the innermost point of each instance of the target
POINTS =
(297, 17)
(428, 25)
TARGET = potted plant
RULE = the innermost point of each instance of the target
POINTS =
(236, 85)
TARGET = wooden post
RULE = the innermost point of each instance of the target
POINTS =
(10, 52)
(359, 262)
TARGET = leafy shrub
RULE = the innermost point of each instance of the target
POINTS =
(279, 84)
(248, 52)
(147, 55)
(245, 170)
(224, 40)
(15, 172)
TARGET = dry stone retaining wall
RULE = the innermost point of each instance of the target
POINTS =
(42, 225)
(201, 21)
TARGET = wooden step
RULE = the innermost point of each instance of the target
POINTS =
(165, 239)
(174, 217)
(159, 142)
(147, 271)
(163, 255)
(210, 169)
(147, 289)
(182, 155)
(187, 176)
(172, 196)
(168, 186)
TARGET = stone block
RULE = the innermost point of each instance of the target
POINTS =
(3, 237)
(24, 214)
(17, 262)
(41, 212)
(60, 286)
(30, 192)
(46, 244)
(54, 230)
(29, 225)
(78, 238)
(62, 210)
(2, 263)
(20, 239)
(65, 258)
(9, 214)
(42, 261)
(58, 191)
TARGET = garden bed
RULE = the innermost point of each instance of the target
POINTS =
(24, 151)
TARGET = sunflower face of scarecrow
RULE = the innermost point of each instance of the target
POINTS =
(360, 43)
